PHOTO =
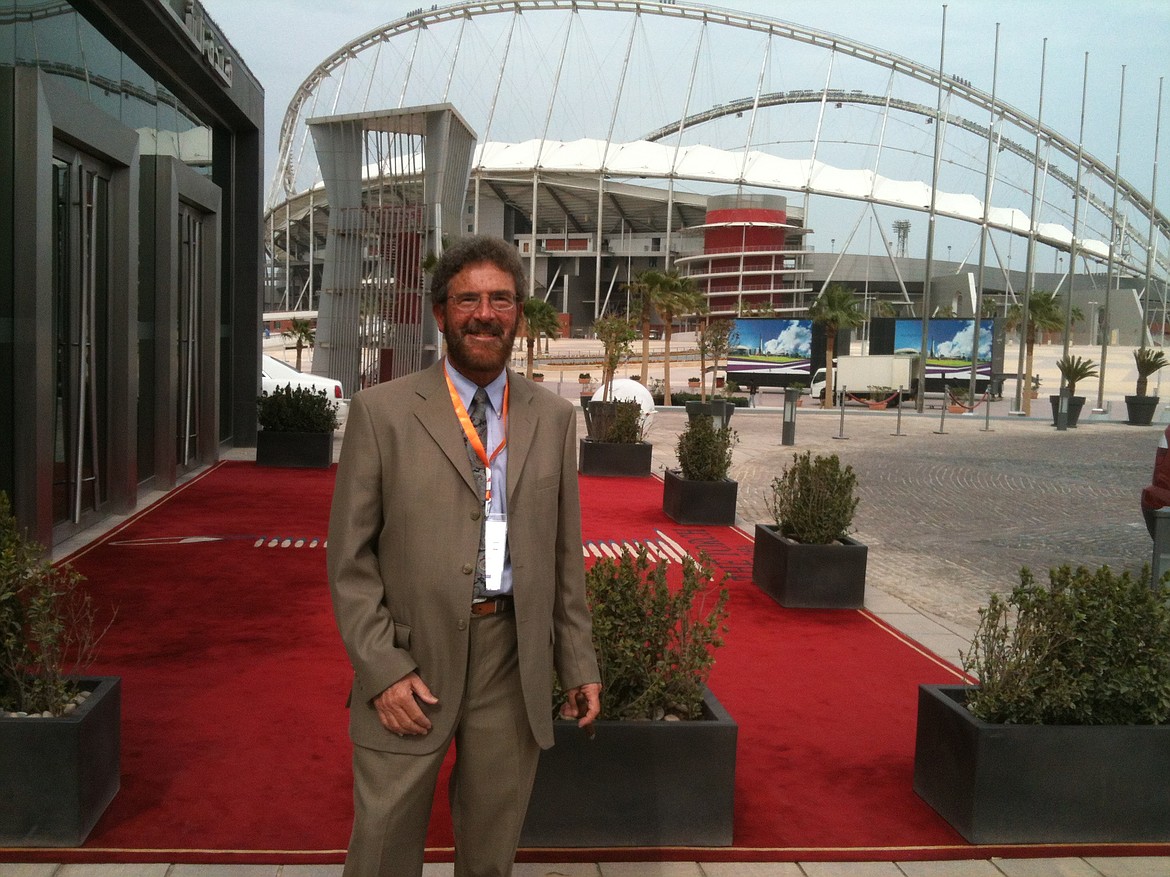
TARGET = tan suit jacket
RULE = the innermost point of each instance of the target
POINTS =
(403, 539)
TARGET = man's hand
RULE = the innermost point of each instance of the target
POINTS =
(583, 704)
(398, 707)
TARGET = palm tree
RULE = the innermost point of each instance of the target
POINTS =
(1147, 360)
(1045, 314)
(302, 333)
(1075, 369)
(677, 297)
(836, 308)
(540, 318)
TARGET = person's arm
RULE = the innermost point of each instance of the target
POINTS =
(575, 658)
(355, 580)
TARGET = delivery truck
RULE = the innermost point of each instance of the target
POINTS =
(868, 377)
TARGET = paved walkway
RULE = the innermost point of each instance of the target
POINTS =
(951, 509)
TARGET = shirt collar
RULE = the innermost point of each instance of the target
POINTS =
(466, 388)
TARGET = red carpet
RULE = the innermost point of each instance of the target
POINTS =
(234, 745)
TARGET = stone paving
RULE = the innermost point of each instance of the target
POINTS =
(951, 517)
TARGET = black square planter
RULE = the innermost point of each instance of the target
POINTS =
(802, 576)
(1075, 404)
(302, 450)
(1140, 410)
(1005, 784)
(698, 502)
(636, 784)
(719, 410)
(614, 458)
(58, 775)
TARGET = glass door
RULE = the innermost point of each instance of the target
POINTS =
(81, 271)
(189, 307)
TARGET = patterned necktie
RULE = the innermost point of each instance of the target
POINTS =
(478, 414)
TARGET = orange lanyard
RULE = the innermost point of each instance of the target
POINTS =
(472, 434)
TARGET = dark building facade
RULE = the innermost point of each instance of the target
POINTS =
(131, 142)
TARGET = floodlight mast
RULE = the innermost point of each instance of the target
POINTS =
(920, 401)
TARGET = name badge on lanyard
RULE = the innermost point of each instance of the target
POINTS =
(496, 524)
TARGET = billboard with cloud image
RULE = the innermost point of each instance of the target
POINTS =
(949, 346)
(775, 351)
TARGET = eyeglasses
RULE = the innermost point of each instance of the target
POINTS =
(468, 302)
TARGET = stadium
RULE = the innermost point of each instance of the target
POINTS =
(605, 137)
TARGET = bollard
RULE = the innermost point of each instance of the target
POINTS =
(841, 430)
(1062, 410)
(898, 422)
(987, 414)
(1160, 563)
(788, 433)
(942, 418)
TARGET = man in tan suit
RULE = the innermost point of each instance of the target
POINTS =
(457, 579)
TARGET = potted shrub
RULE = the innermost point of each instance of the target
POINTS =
(614, 445)
(660, 769)
(538, 377)
(1065, 738)
(584, 379)
(807, 559)
(693, 383)
(957, 399)
(60, 730)
(1073, 369)
(1140, 407)
(699, 491)
(296, 428)
(879, 397)
(615, 429)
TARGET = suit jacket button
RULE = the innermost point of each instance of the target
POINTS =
(463, 624)
(475, 515)
(468, 569)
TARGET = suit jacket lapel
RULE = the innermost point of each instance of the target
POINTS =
(521, 428)
(438, 418)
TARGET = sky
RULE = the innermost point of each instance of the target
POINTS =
(281, 41)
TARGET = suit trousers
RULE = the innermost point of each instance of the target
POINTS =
(495, 764)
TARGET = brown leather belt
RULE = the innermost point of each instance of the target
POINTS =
(491, 606)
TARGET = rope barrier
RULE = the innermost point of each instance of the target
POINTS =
(868, 401)
(953, 400)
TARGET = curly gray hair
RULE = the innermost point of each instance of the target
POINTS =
(475, 250)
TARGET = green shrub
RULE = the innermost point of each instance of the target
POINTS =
(680, 399)
(1091, 648)
(655, 648)
(813, 500)
(704, 452)
(296, 409)
(628, 424)
(48, 624)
